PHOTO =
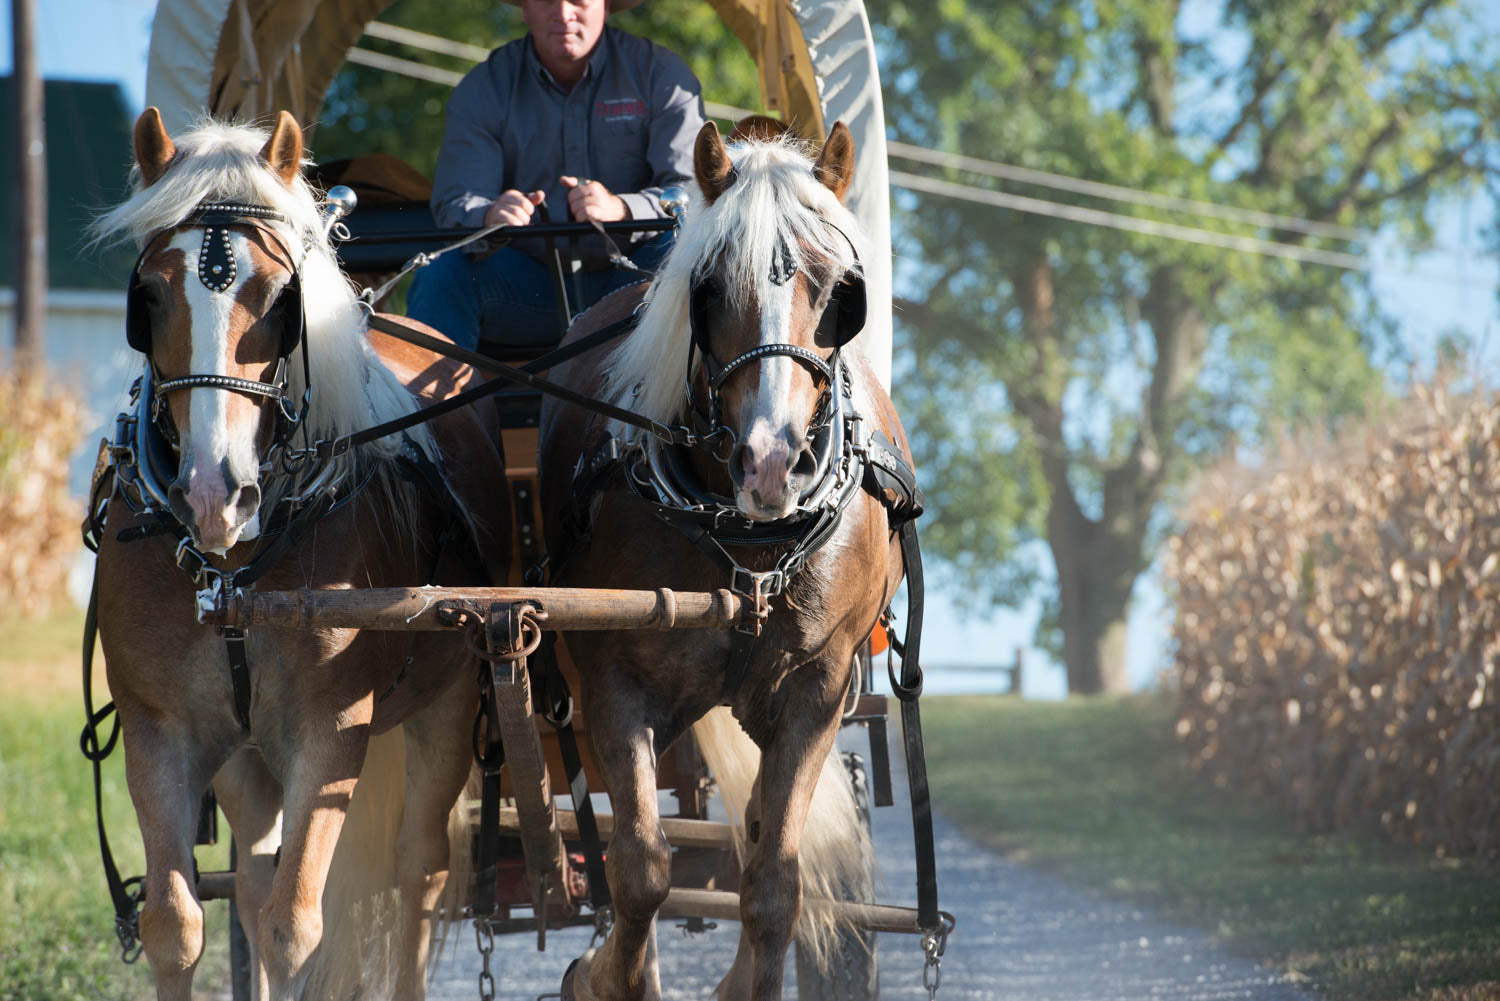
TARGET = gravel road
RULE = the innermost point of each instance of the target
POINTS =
(1021, 935)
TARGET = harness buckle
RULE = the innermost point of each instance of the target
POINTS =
(758, 587)
(196, 566)
(121, 451)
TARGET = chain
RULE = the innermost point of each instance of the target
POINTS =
(484, 938)
(934, 944)
(932, 967)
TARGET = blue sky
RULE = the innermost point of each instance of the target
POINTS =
(108, 40)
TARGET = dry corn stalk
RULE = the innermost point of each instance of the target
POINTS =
(41, 424)
(1337, 629)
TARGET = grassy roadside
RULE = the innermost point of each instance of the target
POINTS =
(1095, 790)
(57, 938)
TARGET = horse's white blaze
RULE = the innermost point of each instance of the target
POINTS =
(769, 421)
(214, 445)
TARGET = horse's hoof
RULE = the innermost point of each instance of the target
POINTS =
(575, 980)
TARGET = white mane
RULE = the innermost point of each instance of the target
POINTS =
(775, 194)
(218, 161)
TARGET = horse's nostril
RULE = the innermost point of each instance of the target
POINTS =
(246, 502)
(181, 509)
(738, 457)
(807, 462)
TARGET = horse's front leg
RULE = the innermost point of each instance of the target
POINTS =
(251, 799)
(771, 886)
(438, 756)
(322, 764)
(167, 772)
(638, 861)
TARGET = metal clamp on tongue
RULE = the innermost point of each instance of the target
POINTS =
(758, 588)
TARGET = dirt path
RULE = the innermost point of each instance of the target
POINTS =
(1021, 935)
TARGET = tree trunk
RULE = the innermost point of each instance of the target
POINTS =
(31, 188)
(1098, 560)
(1093, 601)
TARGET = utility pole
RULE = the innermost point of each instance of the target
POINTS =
(31, 187)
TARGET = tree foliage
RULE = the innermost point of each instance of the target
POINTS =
(1062, 377)
(375, 111)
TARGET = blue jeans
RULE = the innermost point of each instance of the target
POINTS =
(509, 294)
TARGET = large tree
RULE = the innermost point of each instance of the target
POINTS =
(1062, 376)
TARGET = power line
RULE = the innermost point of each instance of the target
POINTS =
(1114, 220)
(1117, 192)
(1150, 227)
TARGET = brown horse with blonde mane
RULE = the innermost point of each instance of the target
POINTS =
(254, 341)
(742, 346)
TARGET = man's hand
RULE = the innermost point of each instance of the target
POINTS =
(512, 208)
(592, 200)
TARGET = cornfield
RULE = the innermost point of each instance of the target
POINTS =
(40, 426)
(1337, 629)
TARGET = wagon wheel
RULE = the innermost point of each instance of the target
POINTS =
(855, 975)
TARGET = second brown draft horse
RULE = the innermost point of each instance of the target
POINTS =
(743, 345)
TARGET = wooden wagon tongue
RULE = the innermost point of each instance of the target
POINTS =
(507, 623)
(439, 608)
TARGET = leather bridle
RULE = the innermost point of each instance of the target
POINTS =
(217, 271)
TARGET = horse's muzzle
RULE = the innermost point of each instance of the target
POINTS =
(769, 472)
(214, 506)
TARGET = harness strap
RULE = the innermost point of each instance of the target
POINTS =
(891, 480)
(559, 713)
(339, 446)
(489, 754)
(911, 733)
(126, 895)
(239, 673)
(503, 374)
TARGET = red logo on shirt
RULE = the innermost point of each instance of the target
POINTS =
(622, 110)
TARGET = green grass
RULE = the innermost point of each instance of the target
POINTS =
(57, 938)
(1096, 790)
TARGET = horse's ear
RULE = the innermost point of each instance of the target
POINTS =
(711, 163)
(759, 127)
(153, 147)
(835, 166)
(283, 151)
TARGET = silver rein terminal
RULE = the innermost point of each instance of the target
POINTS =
(338, 203)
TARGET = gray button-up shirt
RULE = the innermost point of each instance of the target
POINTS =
(629, 123)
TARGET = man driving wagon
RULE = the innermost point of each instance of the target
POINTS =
(575, 121)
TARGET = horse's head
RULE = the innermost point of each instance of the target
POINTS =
(215, 306)
(777, 294)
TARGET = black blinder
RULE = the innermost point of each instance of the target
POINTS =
(293, 319)
(845, 313)
(700, 299)
(137, 317)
